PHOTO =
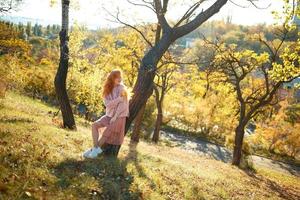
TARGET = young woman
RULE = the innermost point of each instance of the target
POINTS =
(117, 109)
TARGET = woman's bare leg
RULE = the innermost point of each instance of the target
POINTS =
(101, 142)
(95, 133)
(100, 123)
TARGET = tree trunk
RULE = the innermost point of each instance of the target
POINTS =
(139, 118)
(62, 71)
(135, 137)
(158, 123)
(238, 145)
(144, 85)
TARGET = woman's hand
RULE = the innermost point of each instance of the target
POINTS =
(124, 94)
(113, 119)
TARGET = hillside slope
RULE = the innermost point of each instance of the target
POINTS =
(39, 160)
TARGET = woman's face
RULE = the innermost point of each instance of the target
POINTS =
(117, 80)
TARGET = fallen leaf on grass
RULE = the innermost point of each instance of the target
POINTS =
(28, 193)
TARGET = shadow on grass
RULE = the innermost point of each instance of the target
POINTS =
(287, 193)
(201, 146)
(109, 172)
(132, 157)
(16, 120)
(292, 169)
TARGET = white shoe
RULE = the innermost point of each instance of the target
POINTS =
(92, 153)
(87, 152)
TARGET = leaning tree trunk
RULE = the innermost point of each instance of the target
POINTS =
(238, 145)
(62, 71)
(158, 123)
(139, 118)
(135, 137)
(144, 84)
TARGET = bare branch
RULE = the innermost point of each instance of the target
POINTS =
(145, 4)
(251, 2)
(258, 7)
(189, 12)
(118, 20)
(199, 19)
(241, 6)
(9, 5)
(160, 12)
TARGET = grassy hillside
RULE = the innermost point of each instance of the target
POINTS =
(39, 160)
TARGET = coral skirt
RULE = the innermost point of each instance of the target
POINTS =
(113, 133)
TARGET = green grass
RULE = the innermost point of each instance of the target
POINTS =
(39, 160)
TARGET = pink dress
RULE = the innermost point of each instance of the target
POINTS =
(115, 106)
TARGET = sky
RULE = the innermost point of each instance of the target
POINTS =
(94, 13)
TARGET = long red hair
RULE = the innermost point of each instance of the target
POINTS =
(109, 82)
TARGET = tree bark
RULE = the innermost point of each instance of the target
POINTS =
(158, 123)
(135, 137)
(238, 145)
(159, 117)
(144, 85)
(62, 71)
(139, 118)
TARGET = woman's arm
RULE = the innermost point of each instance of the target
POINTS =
(120, 109)
(115, 102)
(122, 105)
(112, 103)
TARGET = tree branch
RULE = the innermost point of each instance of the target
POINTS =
(118, 20)
(199, 19)
(9, 5)
(160, 13)
(145, 4)
(189, 12)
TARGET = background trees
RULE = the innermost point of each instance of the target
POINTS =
(28, 29)
(256, 78)
(280, 135)
(8, 5)
(10, 41)
(164, 81)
